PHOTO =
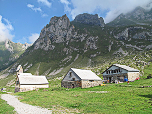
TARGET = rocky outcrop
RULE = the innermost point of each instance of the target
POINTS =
(8, 45)
(90, 19)
(134, 33)
(91, 43)
(139, 13)
(58, 30)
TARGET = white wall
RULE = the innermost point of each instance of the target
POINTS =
(32, 87)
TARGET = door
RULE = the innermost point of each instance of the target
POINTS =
(109, 79)
(72, 85)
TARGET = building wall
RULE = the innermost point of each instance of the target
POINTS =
(70, 84)
(113, 68)
(114, 77)
(87, 84)
(70, 75)
(132, 76)
(24, 88)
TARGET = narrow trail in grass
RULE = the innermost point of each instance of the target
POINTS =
(22, 108)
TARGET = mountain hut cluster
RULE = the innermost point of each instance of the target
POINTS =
(77, 78)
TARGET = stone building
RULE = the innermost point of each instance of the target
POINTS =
(27, 82)
(117, 72)
(80, 78)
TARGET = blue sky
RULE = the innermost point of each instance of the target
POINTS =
(22, 20)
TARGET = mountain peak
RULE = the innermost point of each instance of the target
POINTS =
(90, 19)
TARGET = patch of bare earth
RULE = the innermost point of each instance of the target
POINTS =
(59, 110)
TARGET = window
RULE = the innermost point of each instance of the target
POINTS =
(73, 79)
(119, 70)
(91, 80)
(114, 71)
(109, 71)
(17, 82)
(70, 74)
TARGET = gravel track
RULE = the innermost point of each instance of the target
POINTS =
(22, 108)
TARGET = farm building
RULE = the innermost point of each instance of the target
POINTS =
(30, 82)
(80, 78)
(117, 72)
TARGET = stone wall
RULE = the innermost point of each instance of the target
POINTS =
(71, 84)
(87, 84)
(132, 76)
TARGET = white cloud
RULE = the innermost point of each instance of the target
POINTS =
(5, 30)
(37, 9)
(66, 5)
(44, 15)
(33, 37)
(45, 2)
(113, 8)
(33, 8)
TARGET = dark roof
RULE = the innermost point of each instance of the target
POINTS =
(123, 67)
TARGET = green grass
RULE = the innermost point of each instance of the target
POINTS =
(4, 81)
(120, 98)
(5, 108)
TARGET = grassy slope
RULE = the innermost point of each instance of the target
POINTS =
(120, 98)
(5, 108)
(4, 81)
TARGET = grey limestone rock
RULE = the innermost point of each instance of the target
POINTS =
(90, 19)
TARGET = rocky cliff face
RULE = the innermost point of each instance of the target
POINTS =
(11, 46)
(10, 51)
(63, 44)
(60, 30)
(139, 16)
(135, 32)
(90, 19)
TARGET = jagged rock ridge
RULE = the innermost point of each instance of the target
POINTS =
(89, 19)
(10, 51)
(60, 30)
(139, 16)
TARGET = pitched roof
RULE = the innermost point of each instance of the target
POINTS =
(86, 74)
(33, 80)
(126, 67)
(123, 67)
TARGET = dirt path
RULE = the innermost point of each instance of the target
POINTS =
(22, 108)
